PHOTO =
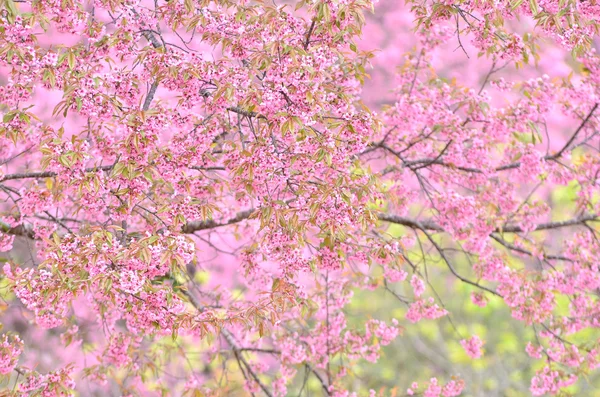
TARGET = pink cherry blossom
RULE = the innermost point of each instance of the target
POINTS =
(209, 197)
(473, 346)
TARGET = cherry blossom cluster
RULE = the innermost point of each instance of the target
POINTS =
(201, 188)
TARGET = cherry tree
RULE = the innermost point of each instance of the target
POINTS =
(193, 191)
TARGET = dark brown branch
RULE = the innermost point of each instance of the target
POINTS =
(198, 168)
(238, 354)
(409, 222)
(211, 224)
(440, 250)
(48, 174)
(320, 379)
(425, 162)
(152, 39)
(156, 44)
(437, 158)
(429, 225)
(551, 225)
(20, 230)
(150, 96)
(426, 226)
(460, 45)
(564, 148)
(309, 33)
(570, 141)
(237, 351)
(16, 155)
(59, 222)
(259, 350)
(238, 110)
(514, 248)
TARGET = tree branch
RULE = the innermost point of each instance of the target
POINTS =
(570, 141)
(550, 225)
(152, 39)
(451, 268)
(319, 378)
(51, 174)
(238, 354)
(150, 96)
(514, 248)
(232, 342)
(409, 222)
(238, 110)
(20, 230)
(425, 162)
(48, 174)
(156, 44)
(211, 224)
(309, 33)
(430, 225)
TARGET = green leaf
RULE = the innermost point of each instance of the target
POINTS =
(534, 7)
(10, 5)
(515, 4)
(71, 60)
(8, 117)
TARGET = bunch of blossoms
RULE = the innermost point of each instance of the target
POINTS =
(11, 349)
(490, 24)
(203, 192)
(482, 174)
(151, 142)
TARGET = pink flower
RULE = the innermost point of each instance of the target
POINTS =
(413, 387)
(6, 242)
(534, 352)
(418, 285)
(424, 309)
(453, 388)
(10, 350)
(478, 299)
(433, 390)
(473, 346)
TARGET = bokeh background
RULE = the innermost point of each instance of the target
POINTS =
(429, 348)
